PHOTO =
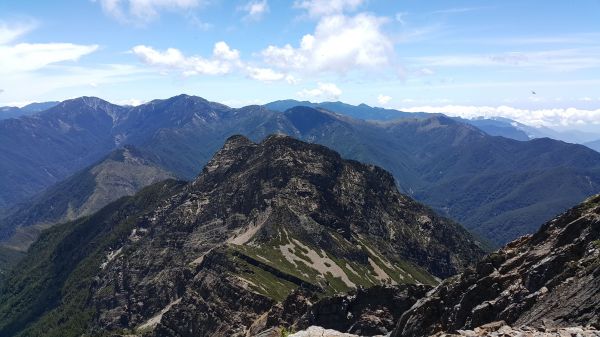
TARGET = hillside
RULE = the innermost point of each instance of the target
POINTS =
(123, 172)
(208, 258)
(549, 279)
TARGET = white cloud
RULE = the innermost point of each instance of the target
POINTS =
(323, 91)
(383, 99)
(537, 117)
(11, 32)
(317, 8)
(25, 57)
(142, 11)
(255, 10)
(339, 44)
(223, 61)
(400, 17)
(557, 60)
(265, 74)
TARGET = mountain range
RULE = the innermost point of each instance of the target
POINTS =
(494, 126)
(29, 109)
(217, 255)
(498, 188)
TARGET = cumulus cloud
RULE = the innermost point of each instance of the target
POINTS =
(339, 44)
(144, 10)
(535, 117)
(323, 91)
(383, 99)
(255, 10)
(317, 8)
(223, 60)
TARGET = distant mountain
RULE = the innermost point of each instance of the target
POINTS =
(30, 109)
(40, 150)
(210, 257)
(595, 145)
(123, 172)
(549, 279)
(361, 111)
(497, 187)
(492, 126)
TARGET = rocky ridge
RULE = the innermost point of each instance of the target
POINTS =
(547, 280)
(215, 256)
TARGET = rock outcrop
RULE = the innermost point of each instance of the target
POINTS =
(367, 312)
(549, 279)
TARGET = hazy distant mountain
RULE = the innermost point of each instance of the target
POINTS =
(361, 111)
(595, 145)
(30, 109)
(492, 126)
(212, 256)
(498, 187)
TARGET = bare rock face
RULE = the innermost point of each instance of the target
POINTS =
(549, 279)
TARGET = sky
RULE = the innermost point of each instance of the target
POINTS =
(537, 62)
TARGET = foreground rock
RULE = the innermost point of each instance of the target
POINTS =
(500, 329)
(316, 331)
(549, 279)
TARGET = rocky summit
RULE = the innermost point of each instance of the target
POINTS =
(221, 255)
(545, 281)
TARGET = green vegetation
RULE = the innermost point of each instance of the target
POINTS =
(48, 296)
(285, 332)
(274, 286)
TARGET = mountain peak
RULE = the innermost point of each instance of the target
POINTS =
(92, 102)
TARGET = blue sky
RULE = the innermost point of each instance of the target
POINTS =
(465, 58)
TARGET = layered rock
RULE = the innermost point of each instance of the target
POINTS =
(549, 279)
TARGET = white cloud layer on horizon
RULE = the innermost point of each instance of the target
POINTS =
(143, 11)
(255, 10)
(323, 92)
(563, 117)
(317, 8)
(339, 44)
